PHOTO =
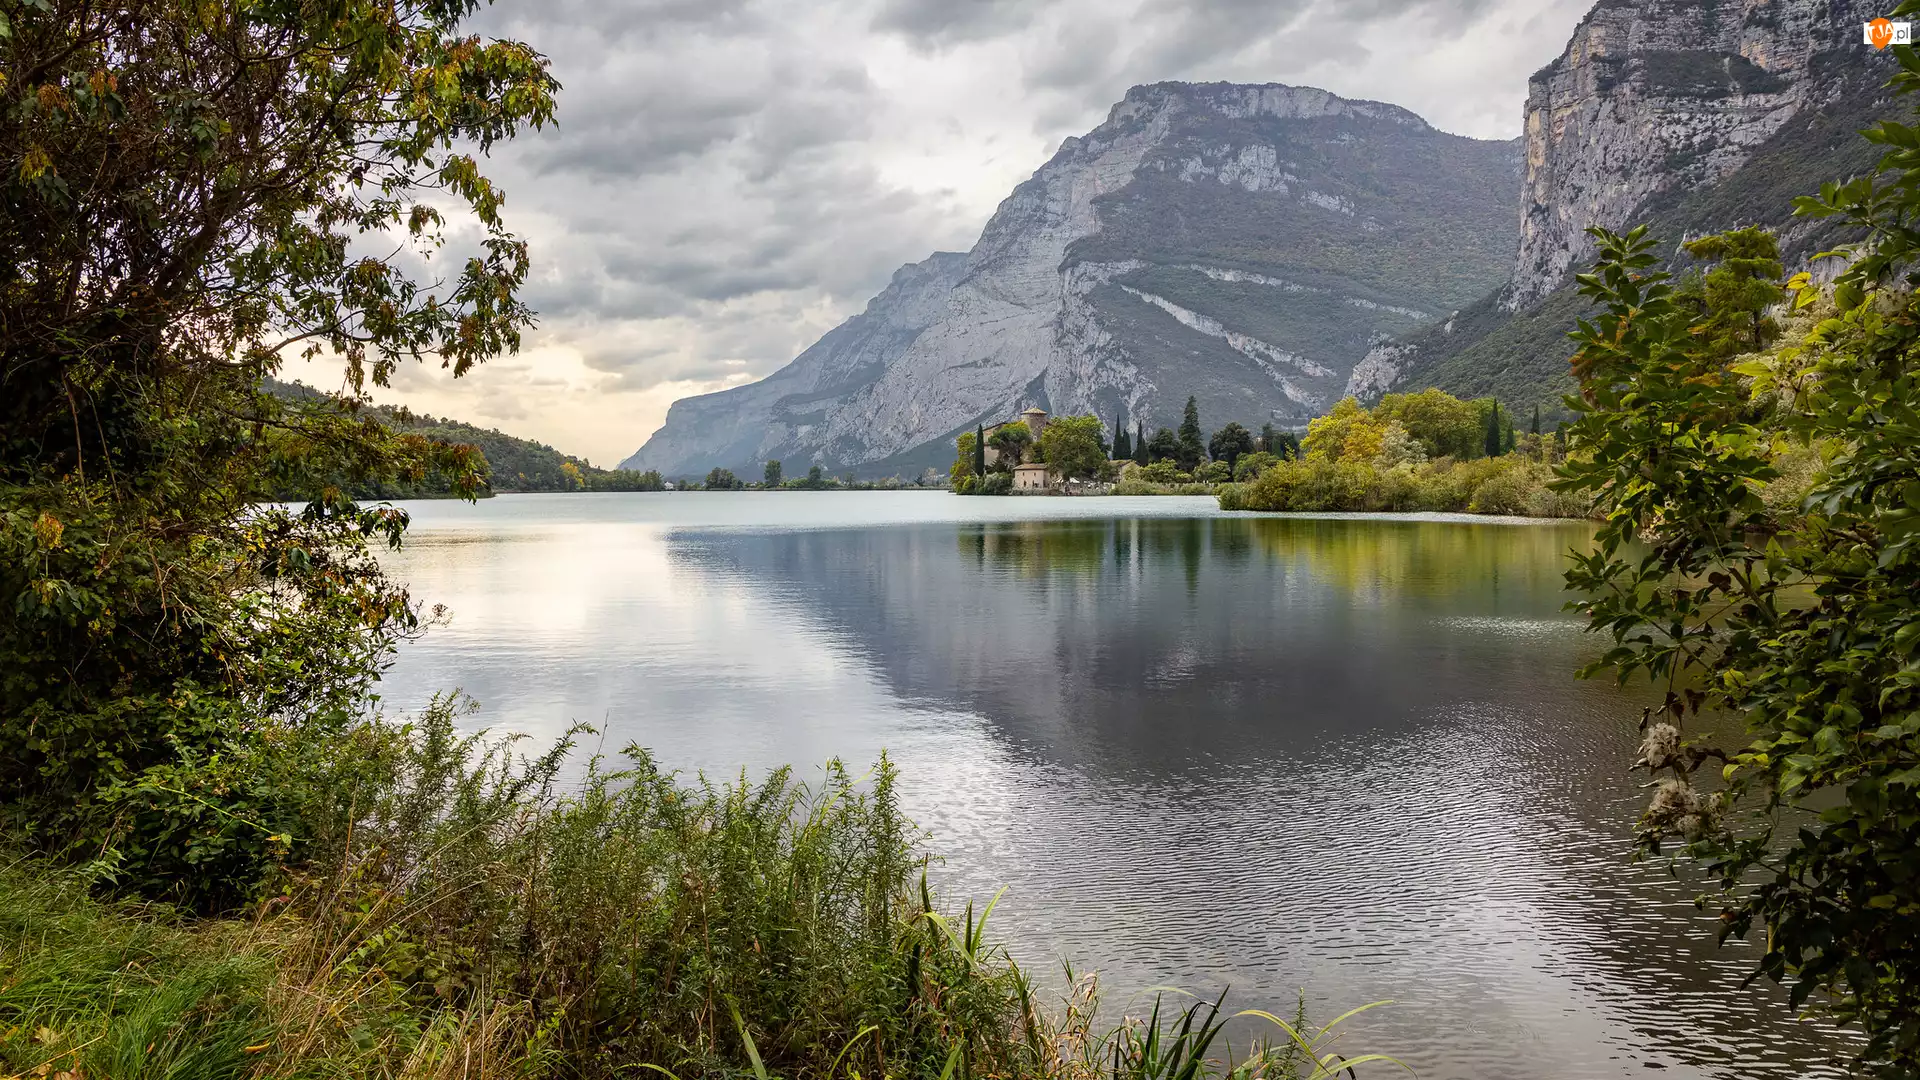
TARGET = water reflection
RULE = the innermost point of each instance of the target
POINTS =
(1271, 753)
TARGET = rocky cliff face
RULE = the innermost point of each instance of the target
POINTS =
(1656, 96)
(1243, 244)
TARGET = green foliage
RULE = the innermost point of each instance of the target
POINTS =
(1495, 442)
(966, 449)
(1808, 626)
(1250, 466)
(1506, 485)
(1164, 446)
(1011, 443)
(994, 483)
(1346, 432)
(1191, 451)
(1444, 425)
(770, 475)
(1140, 449)
(1070, 445)
(91, 991)
(1122, 443)
(1228, 444)
(719, 479)
(1736, 294)
(191, 184)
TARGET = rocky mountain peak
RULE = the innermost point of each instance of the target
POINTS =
(1658, 95)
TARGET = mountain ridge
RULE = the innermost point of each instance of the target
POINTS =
(1192, 243)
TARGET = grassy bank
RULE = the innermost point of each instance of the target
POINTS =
(470, 919)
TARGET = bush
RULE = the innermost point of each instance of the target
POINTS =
(994, 483)
(1508, 491)
(465, 912)
(1503, 485)
(1160, 472)
(1250, 466)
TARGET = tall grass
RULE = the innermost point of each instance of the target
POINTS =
(470, 916)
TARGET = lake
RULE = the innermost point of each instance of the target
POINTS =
(1344, 755)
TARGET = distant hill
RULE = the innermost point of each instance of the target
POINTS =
(513, 464)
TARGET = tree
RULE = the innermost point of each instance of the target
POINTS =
(1122, 445)
(1445, 425)
(1266, 438)
(192, 193)
(1734, 297)
(979, 451)
(1164, 446)
(1346, 433)
(1806, 625)
(1534, 428)
(1192, 450)
(1286, 446)
(1229, 443)
(1140, 444)
(816, 477)
(966, 449)
(770, 475)
(1011, 442)
(1070, 445)
(722, 480)
(1494, 443)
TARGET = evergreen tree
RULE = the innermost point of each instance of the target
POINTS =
(1493, 439)
(1193, 448)
(1266, 437)
(1139, 444)
(979, 450)
(1122, 445)
(770, 476)
(1536, 418)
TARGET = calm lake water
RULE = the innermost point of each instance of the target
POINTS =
(1340, 755)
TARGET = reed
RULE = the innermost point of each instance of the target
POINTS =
(472, 916)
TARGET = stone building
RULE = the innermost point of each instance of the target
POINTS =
(1030, 477)
(1034, 417)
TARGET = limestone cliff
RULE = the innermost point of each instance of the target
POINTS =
(1655, 96)
(1243, 244)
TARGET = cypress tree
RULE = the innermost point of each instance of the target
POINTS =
(1140, 444)
(979, 450)
(1193, 447)
(1122, 446)
(1536, 418)
(1493, 430)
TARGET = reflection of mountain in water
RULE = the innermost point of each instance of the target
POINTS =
(1272, 752)
(1133, 643)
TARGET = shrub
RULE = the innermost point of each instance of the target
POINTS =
(1507, 491)
(1252, 465)
(994, 483)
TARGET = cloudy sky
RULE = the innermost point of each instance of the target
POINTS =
(731, 178)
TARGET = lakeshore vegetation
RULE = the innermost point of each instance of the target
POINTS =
(222, 861)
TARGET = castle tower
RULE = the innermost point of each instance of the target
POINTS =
(1036, 419)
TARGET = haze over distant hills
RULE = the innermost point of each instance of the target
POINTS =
(1269, 248)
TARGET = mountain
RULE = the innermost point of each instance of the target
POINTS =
(1247, 245)
(1693, 116)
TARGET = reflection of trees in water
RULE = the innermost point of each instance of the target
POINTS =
(1194, 655)
(1381, 558)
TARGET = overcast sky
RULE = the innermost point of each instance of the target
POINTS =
(731, 178)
